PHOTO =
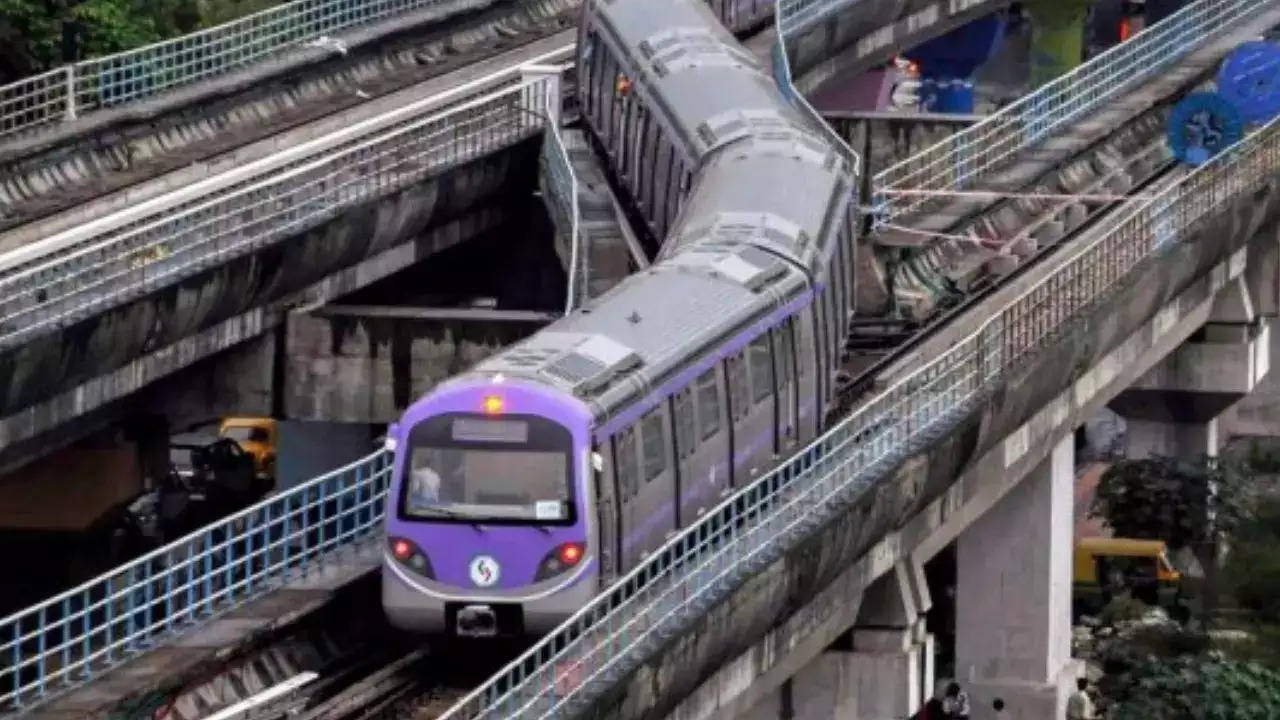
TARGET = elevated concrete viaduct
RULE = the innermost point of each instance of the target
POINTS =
(70, 373)
(102, 161)
(770, 628)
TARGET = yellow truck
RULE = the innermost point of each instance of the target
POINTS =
(1105, 566)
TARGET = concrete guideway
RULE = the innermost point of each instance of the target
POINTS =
(435, 91)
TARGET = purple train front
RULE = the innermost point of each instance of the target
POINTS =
(489, 516)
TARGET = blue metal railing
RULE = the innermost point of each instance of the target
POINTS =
(67, 640)
(955, 162)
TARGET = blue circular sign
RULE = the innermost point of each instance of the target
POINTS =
(1250, 79)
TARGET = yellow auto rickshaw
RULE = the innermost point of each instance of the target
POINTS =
(1105, 567)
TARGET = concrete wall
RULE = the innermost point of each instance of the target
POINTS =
(369, 369)
(51, 364)
(769, 599)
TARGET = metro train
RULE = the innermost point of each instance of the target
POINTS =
(524, 486)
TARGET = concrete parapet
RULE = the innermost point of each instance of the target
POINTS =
(354, 367)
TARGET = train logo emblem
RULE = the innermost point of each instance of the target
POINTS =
(484, 571)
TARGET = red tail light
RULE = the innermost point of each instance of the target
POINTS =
(570, 553)
(401, 549)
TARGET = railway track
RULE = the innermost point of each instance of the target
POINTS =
(115, 169)
(869, 366)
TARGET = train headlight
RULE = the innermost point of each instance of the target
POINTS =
(560, 559)
(409, 555)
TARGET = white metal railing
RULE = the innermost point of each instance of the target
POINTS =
(782, 76)
(627, 623)
(562, 187)
(954, 163)
(99, 265)
(87, 86)
(791, 16)
(69, 639)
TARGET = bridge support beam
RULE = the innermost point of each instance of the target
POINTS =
(1173, 409)
(1013, 596)
(881, 669)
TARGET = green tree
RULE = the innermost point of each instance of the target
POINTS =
(1170, 499)
(1191, 687)
(1253, 569)
(38, 35)
(1189, 503)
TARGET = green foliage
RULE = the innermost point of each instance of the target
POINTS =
(1168, 499)
(1253, 567)
(1123, 607)
(1196, 688)
(36, 34)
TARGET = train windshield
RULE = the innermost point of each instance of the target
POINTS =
(465, 468)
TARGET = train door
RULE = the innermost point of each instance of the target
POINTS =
(684, 424)
(820, 348)
(759, 429)
(784, 363)
(739, 408)
(601, 463)
(705, 472)
(647, 485)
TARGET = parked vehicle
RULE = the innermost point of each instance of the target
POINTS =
(1105, 567)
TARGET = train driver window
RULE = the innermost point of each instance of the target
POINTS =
(653, 444)
(761, 369)
(708, 404)
(625, 457)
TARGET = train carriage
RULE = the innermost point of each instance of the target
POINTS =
(678, 385)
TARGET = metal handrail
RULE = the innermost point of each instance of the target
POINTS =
(955, 162)
(562, 185)
(88, 86)
(782, 76)
(91, 268)
(662, 597)
(67, 640)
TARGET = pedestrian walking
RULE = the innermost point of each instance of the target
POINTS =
(998, 706)
(1079, 706)
(955, 704)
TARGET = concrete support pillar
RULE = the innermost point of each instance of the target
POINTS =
(1173, 409)
(881, 670)
(890, 663)
(1013, 596)
(1057, 37)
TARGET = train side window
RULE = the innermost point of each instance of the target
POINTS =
(653, 445)
(708, 404)
(684, 423)
(761, 369)
(737, 369)
(625, 457)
